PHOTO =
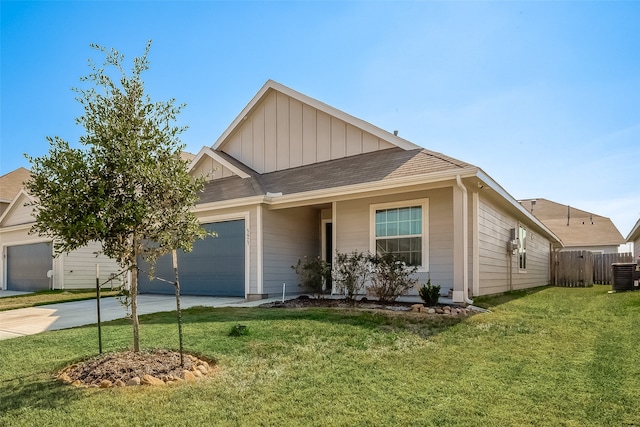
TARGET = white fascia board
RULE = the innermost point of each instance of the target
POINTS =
(17, 227)
(635, 232)
(229, 204)
(207, 151)
(332, 111)
(511, 200)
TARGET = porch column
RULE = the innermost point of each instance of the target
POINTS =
(458, 245)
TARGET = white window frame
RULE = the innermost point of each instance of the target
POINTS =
(424, 204)
(522, 247)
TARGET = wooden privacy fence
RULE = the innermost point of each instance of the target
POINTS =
(584, 268)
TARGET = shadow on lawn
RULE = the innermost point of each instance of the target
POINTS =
(492, 301)
(38, 391)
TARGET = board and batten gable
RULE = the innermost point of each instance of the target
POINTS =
(282, 132)
(499, 269)
(210, 169)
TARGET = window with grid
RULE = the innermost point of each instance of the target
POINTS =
(399, 231)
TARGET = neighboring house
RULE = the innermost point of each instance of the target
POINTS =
(28, 262)
(293, 177)
(27, 259)
(579, 230)
(634, 237)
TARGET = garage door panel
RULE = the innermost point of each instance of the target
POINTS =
(215, 266)
(27, 267)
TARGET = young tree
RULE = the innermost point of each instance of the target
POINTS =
(127, 187)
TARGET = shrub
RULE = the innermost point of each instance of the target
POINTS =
(391, 277)
(238, 330)
(350, 272)
(429, 293)
(312, 273)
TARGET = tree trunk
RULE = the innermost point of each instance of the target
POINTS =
(134, 306)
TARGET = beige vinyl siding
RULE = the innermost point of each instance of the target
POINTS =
(353, 228)
(210, 169)
(538, 258)
(493, 233)
(79, 268)
(288, 234)
(283, 133)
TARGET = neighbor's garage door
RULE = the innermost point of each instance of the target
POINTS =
(27, 267)
(215, 266)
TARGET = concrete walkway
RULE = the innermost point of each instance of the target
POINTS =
(33, 320)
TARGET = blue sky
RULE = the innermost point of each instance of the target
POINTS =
(543, 96)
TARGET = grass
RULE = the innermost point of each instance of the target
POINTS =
(548, 357)
(50, 297)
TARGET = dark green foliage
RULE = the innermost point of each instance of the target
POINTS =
(429, 293)
(238, 330)
(127, 187)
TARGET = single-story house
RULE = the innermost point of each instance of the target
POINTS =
(579, 230)
(293, 177)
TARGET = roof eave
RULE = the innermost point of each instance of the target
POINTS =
(483, 176)
(635, 232)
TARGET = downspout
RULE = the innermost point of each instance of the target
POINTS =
(465, 241)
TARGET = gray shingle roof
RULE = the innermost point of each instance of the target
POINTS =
(373, 167)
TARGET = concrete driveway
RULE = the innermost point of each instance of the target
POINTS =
(33, 320)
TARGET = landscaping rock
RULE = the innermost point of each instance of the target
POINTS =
(64, 378)
(188, 376)
(106, 384)
(119, 383)
(202, 369)
(133, 381)
(417, 307)
(151, 380)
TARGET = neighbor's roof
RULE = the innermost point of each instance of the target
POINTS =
(634, 233)
(575, 227)
(12, 182)
(376, 167)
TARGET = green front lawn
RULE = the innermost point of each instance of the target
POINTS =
(548, 357)
(51, 297)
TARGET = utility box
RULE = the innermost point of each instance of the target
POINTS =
(625, 276)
